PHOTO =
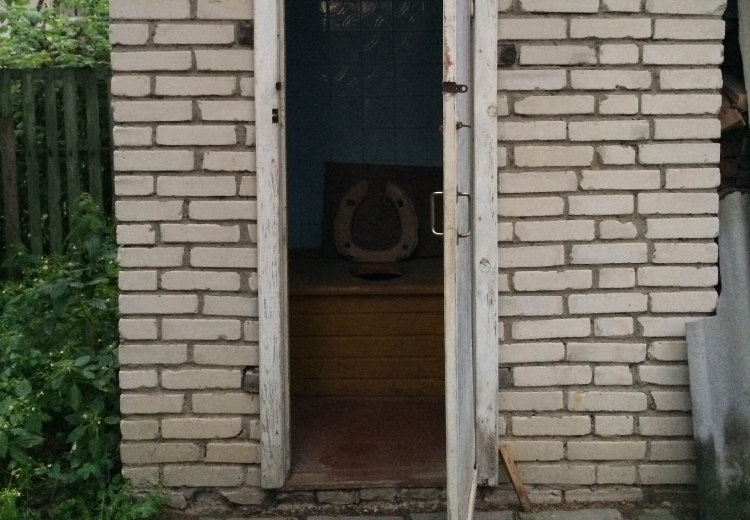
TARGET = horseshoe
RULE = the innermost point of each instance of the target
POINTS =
(345, 219)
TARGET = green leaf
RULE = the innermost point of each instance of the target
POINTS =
(3, 445)
(23, 389)
(75, 398)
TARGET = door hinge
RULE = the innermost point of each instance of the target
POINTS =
(275, 115)
(451, 87)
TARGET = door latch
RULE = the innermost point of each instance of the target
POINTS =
(467, 196)
(433, 197)
(451, 87)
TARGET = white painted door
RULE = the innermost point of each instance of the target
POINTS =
(458, 251)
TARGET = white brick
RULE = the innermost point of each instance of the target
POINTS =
(195, 86)
(571, 425)
(229, 161)
(552, 280)
(148, 111)
(205, 329)
(687, 129)
(707, 7)
(193, 34)
(152, 354)
(531, 353)
(223, 210)
(224, 257)
(230, 306)
(196, 186)
(510, 28)
(607, 352)
(557, 55)
(151, 61)
(199, 233)
(201, 428)
(138, 329)
(142, 211)
(607, 450)
(139, 430)
(609, 253)
(630, 130)
(555, 230)
(196, 135)
(136, 280)
(691, 54)
(613, 230)
(537, 182)
(608, 474)
(668, 350)
(548, 105)
(607, 303)
(578, 474)
(693, 153)
(613, 425)
(153, 160)
(531, 130)
(601, 205)
(621, 180)
(536, 450)
(667, 228)
(203, 475)
(560, 6)
(201, 378)
(227, 355)
(688, 29)
(616, 155)
(672, 450)
(666, 426)
(133, 379)
(678, 276)
(690, 79)
(619, 104)
(616, 278)
(509, 80)
(158, 304)
(607, 401)
(234, 452)
(664, 327)
(685, 203)
(128, 33)
(692, 178)
(530, 401)
(610, 79)
(126, 185)
(672, 401)
(619, 53)
(551, 376)
(227, 110)
(680, 103)
(622, 6)
(225, 9)
(148, 9)
(150, 256)
(619, 27)
(613, 327)
(530, 305)
(532, 256)
(136, 234)
(225, 60)
(663, 375)
(685, 301)
(558, 328)
(131, 136)
(538, 156)
(151, 403)
(613, 376)
(130, 86)
(225, 403)
(200, 281)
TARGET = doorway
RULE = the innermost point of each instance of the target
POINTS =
(364, 153)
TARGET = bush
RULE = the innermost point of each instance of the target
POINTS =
(59, 411)
(73, 33)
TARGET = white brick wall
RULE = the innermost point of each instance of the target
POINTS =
(631, 253)
(608, 216)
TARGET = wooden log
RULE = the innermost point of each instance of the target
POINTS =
(515, 477)
(735, 90)
(11, 211)
(54, 184)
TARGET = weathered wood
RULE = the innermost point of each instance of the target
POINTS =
(93, 137)
(54, 185)
(272, 284)
(329, 304)
(515, 478)
(358, 324)
(485, 262)
(72, 162)
(32, 164)
(368, 346)
(11, 208)
(736, 91)
(413, 387)
(730, 117)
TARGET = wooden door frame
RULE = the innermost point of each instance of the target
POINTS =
(275, 446)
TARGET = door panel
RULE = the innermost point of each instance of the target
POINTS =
(458, 266)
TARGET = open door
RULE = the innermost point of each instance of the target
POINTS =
(458, 258)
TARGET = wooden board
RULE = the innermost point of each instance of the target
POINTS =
(515, 478)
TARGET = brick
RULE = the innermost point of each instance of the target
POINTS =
(230, 306)
(509, 80)
(672, 450)
(555, 105)
(153, 160)
(133, 379)
(691, 178)
(622, 6)
(607, 401)
(193, 34)
(531, 207)
(621, 180)
(612, 376)
(607, 352)
(531, 352)
(195, 86)
(672, 228)
(137, 280)
(145, 477)
(610, 79)
(138, 329)
(130, 86)
(664, 327)
(147, 9)
(613, 327)
(142, 404)
(558, 328)
(530, 305)
(551, 376)
(134, 185)
(678, 276)
(679, 104)
(631, 130)
(139, 430)
(150, 257)
(619, 104)
(668, 350)
(199, 233)
(613, 425)
(227, 110)
(131, 136)
(672, 401)
(224, 60)
(157, 453)
(228, 355)
(685, 301)
(537, 182)
(136, 234)
(616, 278)
(532, 256)
(689, 54)
(529, 401)
(666, 426)
(606, 450)
(558, 474)
(151, 111)
(557, 230)
(616, 154)
(536, 450)
(203, 475)
(552, 280)
(560, 6)
(225, 9)
(128, 33)
(571, 425)
(233, 452)
(698, 7)
(140, 211)
(197, 135)
(619, 54)
(616, 27)
(607, 474)
(229, 161)
(200, 329)
(557, 55)
(542, 156)
(224, 257)
(653, 474)
(202, 378)
(158, 304)
(152, 354)
(200, 281)
(513, 28)
(663, 375)
(607, 495)
(195, 428)
(225, 403)
(688, 29)
(601, 205)
(531, 130)
(138, 61)
(196, 186)
(685, 203)
(690, 79)
(609, 253)
(607, 303)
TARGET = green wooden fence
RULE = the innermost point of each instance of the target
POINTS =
(55, 143)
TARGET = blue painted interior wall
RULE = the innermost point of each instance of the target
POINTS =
(364, 86)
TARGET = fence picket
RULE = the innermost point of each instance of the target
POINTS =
(93, 137)
(53, 166)
(70, 112)
(11, 208)
(32, 164)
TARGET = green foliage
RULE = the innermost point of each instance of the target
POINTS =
(58, 383)
(73, 33)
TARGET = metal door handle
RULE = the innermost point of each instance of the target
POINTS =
(433, 197)
(471, 214)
